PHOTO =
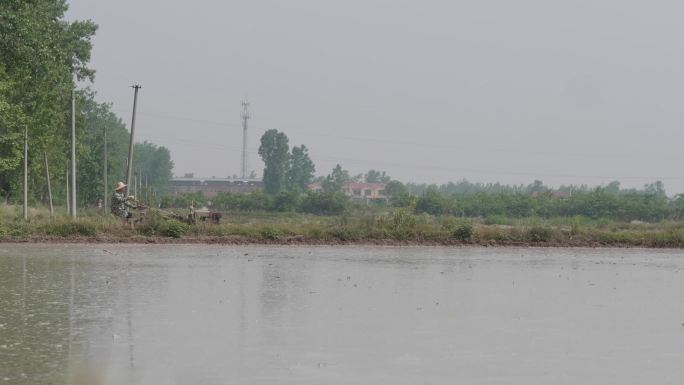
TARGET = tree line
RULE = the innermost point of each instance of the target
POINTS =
(42, 57)
(537, 200)
(461, 199)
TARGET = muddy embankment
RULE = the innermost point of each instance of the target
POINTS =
(304, 241)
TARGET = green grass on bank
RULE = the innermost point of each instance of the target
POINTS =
(398, 225)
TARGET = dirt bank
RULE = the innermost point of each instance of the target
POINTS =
(300, 240)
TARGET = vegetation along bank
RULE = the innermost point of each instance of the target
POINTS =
(396, 227)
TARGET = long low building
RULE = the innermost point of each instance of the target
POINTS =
(210, 187)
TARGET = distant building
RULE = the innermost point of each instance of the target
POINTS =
(210, 187)
(358, 191)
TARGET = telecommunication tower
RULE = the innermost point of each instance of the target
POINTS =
(245, 115)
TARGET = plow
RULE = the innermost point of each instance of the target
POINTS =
(141, 212)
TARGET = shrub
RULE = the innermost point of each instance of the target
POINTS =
(285, 201)
(151, 224)
(539, 234)
(463, 231)
(69, 228)
(575, 225)
(13, 230)
(403, 224)
(173, 228)
(325, 203)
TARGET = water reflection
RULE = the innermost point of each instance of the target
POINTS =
(218, 315)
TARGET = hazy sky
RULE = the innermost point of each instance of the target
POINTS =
(569, 91)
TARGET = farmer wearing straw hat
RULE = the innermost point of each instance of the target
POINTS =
(120, 202)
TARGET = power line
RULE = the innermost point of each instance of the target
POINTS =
(480, 171)
(386, 141)
(332, 158)
(402, 165)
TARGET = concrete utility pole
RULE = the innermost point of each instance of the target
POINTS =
(245, 115)
(47, 176)
(67, 189)
(25, 173)
(105, 171)
(129, 171)
(73, 153)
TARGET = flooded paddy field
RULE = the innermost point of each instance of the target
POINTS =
(197, 314)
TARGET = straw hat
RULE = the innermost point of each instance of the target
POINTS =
(120, 186)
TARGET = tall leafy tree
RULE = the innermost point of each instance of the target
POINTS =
(373, 176)
(274, 151)
(153, 163)
(92, 119)
(301, 169)
(336, 179)
(41, 56)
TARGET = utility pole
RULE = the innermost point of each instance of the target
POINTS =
(245, 115)
(67, 189)
(47, 176)
(105, 171)
(129, 171)
(73, 153)
(26, 173)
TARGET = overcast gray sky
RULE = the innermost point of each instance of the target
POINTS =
(567, 91)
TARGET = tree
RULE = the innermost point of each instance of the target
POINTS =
(285, 170)
(431, 202)
(536, 187)
(613, 187)
(373, 176)
(657, 188)
(678, 206)
(395, 188)
(92, 118)
(301, 169)
(398, 194)
(154, 164)
(336, 179)
(274, 151)
(40, 55)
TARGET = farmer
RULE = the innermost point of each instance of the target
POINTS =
(120, 202)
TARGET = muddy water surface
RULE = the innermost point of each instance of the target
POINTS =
(339, 315)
